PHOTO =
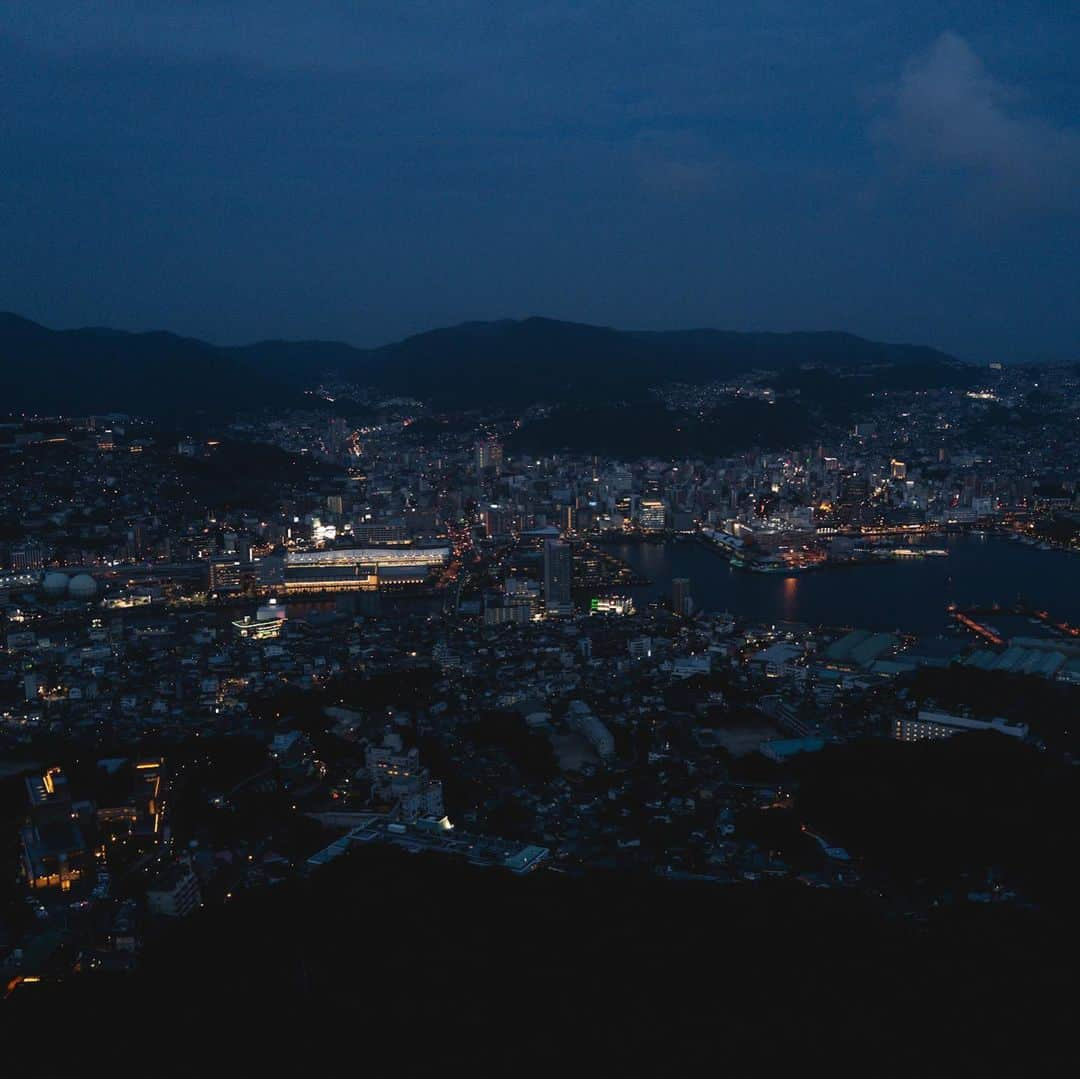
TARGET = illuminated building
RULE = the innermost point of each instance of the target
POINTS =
(930, 725)
(266, 624)
(397, 776)
(523, 595)
(898, 469)
(501, 614)
(9, 581)
(226, 574)
(611, 605)
(558, 568)
(380, 532)
(141, 816)
(520, 601)
(320, 533)
(30, 555)
(55, 853)
(653, 515)
(127, 600)
(854, 495)
(495, 520)
(489, 454)
(350, 569)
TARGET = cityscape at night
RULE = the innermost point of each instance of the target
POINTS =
(593, 692)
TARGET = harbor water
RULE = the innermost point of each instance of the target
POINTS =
(910, 595)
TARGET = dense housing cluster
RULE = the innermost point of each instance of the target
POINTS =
(232, 656)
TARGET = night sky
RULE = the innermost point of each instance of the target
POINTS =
(361, 171)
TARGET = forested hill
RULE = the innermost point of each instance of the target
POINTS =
(482, 364)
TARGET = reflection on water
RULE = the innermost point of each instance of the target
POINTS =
(791, 606)
(908, 594)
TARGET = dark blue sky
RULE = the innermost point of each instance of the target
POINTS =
(238, 170)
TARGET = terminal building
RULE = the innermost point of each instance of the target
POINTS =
(354, 569)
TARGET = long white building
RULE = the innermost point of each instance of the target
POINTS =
(343, 569)
(944, 725)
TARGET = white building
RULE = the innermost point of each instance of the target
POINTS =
(175, 894)
(580, 719)
(398, 776)
(928, 725)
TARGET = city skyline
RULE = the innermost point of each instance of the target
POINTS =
(654, 638)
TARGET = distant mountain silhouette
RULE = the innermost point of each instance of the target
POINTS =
(81, 372)
(539, 359)
(481, 363)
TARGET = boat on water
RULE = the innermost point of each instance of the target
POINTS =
(784, 568)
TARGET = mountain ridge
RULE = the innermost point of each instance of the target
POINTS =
(504, 362)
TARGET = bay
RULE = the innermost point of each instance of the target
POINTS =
(910, 595)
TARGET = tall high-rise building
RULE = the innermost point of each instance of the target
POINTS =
(854, 495)
(489, 454)
(494, 520)
(557, 575)
(899, 469)
(653, 515)
(681, 601)
(337, 435)
(138, 538)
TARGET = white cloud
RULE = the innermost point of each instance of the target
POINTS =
(948, 112)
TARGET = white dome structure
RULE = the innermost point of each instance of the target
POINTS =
(82, 587)
(55, 583)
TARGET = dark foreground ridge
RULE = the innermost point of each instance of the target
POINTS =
(385, 957)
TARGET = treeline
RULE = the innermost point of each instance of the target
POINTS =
(948, 816)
